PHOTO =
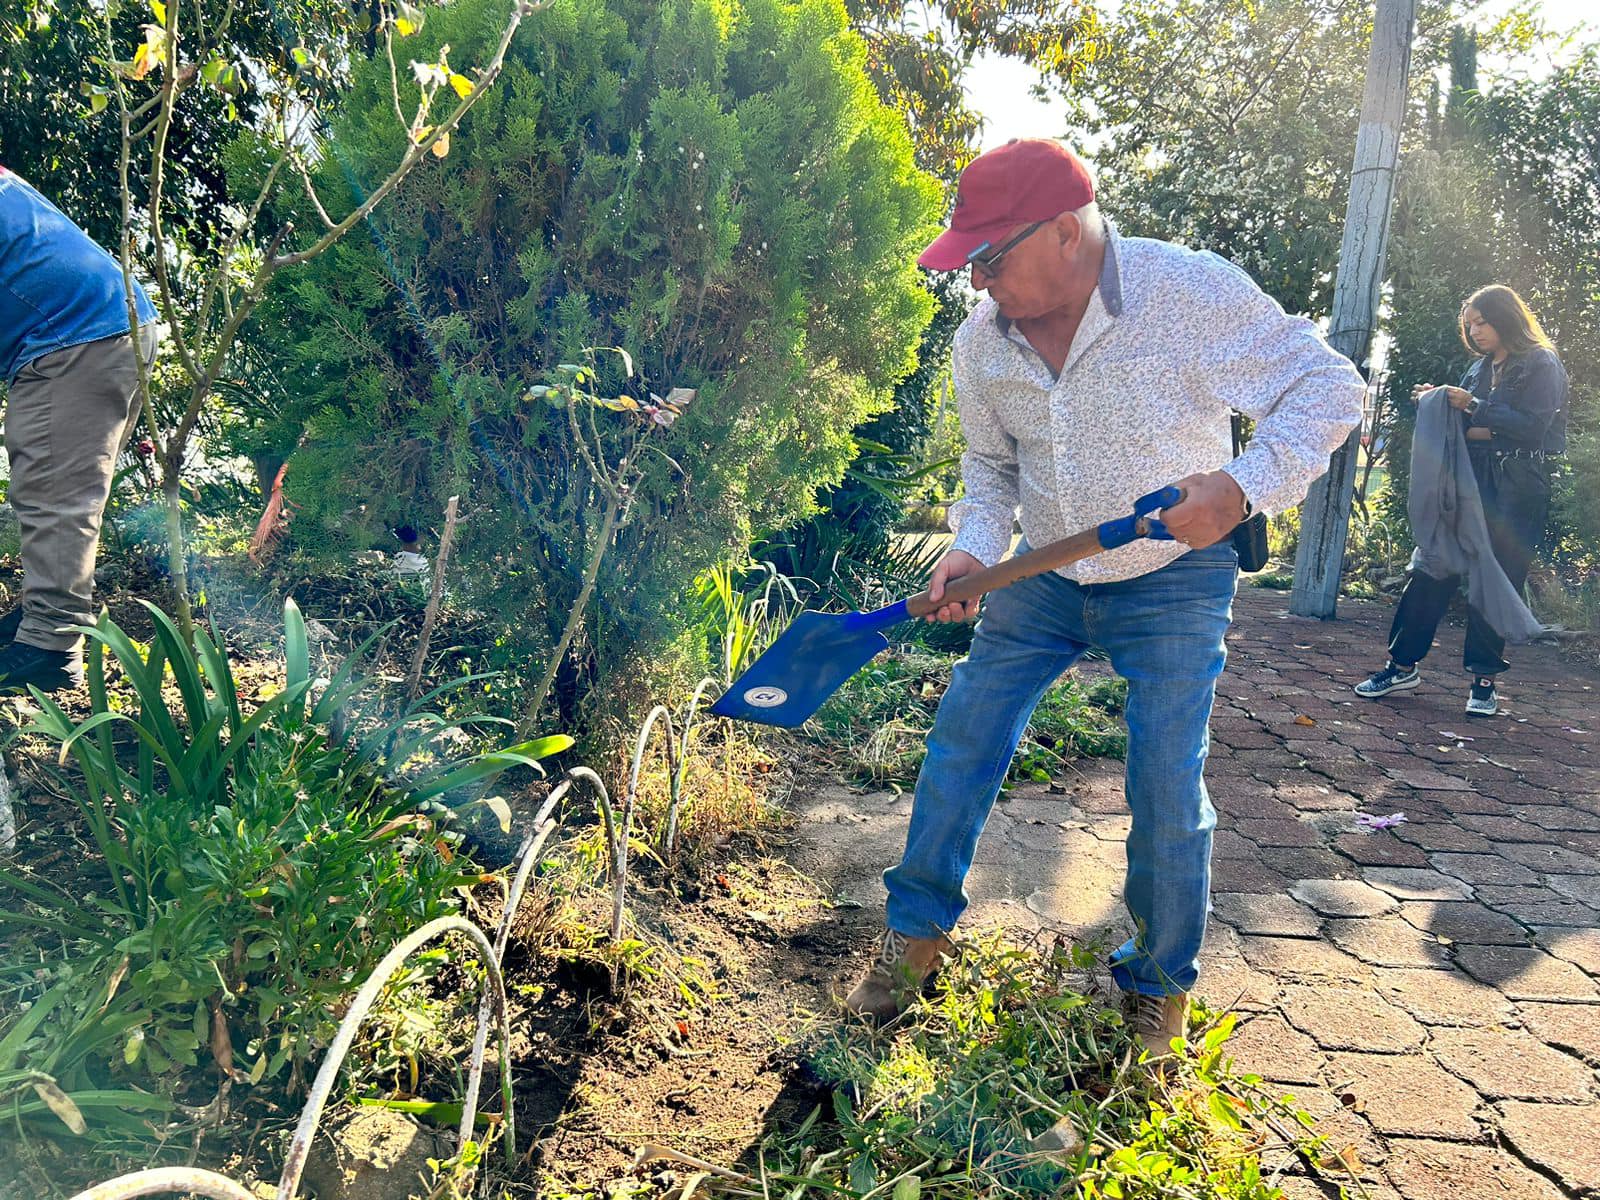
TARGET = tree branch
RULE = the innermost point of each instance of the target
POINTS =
(416, 149)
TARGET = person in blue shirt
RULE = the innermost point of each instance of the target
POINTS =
(67, 357)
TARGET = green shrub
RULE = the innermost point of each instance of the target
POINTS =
(713, 186)
(253, 868)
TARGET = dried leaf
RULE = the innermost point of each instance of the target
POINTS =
(1348, 1159)
(117, 977)
(221, 1042)
(60, 1103)
(1302, 719)
(442, 146)
(500, 809)
(394, 823)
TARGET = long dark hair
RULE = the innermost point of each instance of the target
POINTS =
(1511, 318)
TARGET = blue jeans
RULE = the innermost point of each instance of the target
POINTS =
(1164, 635)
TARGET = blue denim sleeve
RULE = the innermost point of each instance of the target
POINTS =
(1521, 409)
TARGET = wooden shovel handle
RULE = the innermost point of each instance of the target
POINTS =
(1057, 554)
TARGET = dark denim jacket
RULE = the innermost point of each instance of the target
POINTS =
(1528, 411)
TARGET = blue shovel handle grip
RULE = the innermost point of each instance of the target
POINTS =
(1140, 523)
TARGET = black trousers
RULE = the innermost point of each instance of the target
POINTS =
(1516, 504)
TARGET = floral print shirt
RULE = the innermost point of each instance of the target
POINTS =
(1173, 340)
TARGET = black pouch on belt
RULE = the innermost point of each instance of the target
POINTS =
(1250, 535)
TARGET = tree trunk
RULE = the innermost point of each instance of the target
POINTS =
(177, 555)
(1325, 516)
(608, 527)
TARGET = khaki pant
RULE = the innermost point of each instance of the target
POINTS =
(69, 415)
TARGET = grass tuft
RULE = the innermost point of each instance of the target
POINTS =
(948, 1102)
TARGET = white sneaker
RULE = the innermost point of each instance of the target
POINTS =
(1483, 700)
(1390, 679)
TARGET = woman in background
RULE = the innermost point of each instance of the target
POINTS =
(1513, 401)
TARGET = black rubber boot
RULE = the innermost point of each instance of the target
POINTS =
(23, 666)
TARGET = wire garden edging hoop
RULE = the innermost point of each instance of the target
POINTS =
(491, 1012)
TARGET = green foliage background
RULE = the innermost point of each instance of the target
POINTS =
(715, 187)
(1230, 125)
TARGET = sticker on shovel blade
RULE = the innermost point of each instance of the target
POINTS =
(765, 697)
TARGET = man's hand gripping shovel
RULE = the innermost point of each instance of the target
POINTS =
(819, 651)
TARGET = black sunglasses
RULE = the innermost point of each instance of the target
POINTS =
(991, 262)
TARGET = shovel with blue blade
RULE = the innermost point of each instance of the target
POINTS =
(819, 651)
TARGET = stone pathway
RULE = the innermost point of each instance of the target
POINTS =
(1428, 992)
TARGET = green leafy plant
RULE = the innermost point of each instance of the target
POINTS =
(1012, 1045)
(254, 865)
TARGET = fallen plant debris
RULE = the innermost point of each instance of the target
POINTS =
(1017, 1078)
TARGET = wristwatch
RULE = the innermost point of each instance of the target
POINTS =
(1473, 406)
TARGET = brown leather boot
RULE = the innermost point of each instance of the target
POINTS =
(1156, 1020)
(903, 967)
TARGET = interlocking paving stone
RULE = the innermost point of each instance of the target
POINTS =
(1380, 850)
(1483, 869)
(1559, 816)
(1425, 1169)
(1585, 889)
(1246, 875)
(1267, 1045)
(1444, 835)
(1280, 831)
(1307, 862)
(1574, 1027)
(1526, 974)
(1579, 946)
(1562, 1138)
(1465, 921)
(1509, 1064)
(1292, 958)
(1388, 942)
(1492, 854)
(1505, 829)
(1342, 897)
(1231, 982)
(1342, 1127)
(1409, 883)
(1442, 997)
(1407, 1095)
(1275, 915)
(1425, 780)
(1550, 860)
(1342, 1018)
(1225, 843)
(1537, 906)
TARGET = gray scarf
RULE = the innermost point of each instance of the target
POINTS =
(1448, 523)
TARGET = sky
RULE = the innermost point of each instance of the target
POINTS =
(998, 87)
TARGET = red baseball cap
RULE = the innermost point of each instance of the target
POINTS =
(1027, 179)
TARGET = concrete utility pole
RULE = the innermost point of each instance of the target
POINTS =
(1325, 516)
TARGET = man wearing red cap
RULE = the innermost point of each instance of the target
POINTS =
(1100, 368)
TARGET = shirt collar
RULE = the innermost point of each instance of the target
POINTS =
(1108, 288)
